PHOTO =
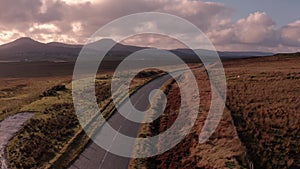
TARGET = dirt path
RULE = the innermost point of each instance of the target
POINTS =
(8, 128)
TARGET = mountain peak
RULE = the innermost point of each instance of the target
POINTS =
(25, 40)
(104, 41)
(102, 44)
(22, 44)
(107, 40)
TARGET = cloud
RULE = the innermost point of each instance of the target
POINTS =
(74, 21)
(202, 14)
(290, 34)
(81, 18)
(50, 11)
(257, 28)
(11, 34)
(256, 32)
(19, 10)
(155, 41)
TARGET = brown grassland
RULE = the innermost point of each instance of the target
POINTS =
(259, 128)
(222, 150)
(17, 92)
(22, 83)
(53, 137)
(263, 96)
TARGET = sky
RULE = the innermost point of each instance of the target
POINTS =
(231, 25)
(282, 12)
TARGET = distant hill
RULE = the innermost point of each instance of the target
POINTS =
(27, 49)
(223, 55)
(233, 55)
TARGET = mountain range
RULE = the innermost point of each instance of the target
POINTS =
(27, 49)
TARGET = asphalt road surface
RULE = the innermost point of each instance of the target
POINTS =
(94, 157)
(8, 128)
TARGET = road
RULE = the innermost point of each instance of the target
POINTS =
(8, 128)
(94, 157)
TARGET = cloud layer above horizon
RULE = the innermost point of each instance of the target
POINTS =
(75, 21)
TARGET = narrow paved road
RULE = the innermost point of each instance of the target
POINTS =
(94, 157)
(8, 128)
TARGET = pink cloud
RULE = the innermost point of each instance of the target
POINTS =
(257, 32)
(75, 22)
(290, 34)
(255, 29)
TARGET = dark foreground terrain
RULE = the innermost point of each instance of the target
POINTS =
(259, 128)
(263, 96)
